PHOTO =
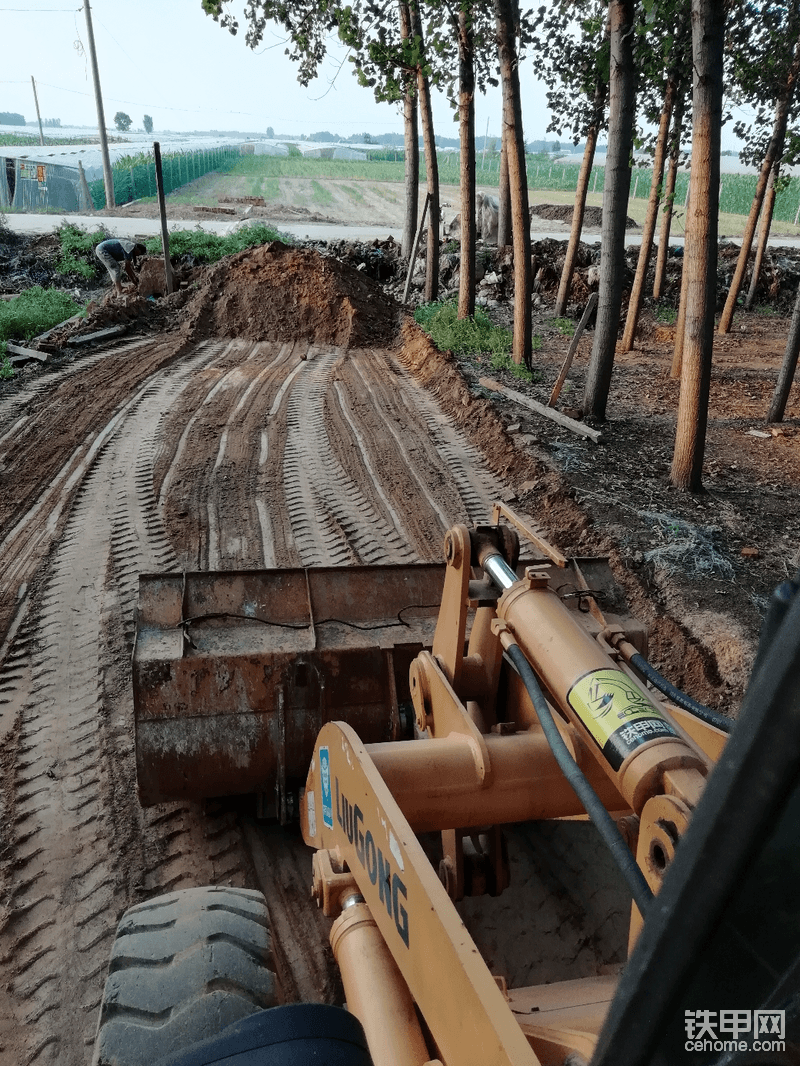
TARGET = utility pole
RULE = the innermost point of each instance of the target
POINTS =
(36, 101)
(101, 120)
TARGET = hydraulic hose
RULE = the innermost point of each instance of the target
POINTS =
(680, 699)
(605, 824)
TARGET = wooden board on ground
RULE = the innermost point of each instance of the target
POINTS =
(533, 405)
(17, 353)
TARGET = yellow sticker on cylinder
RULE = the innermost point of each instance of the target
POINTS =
(617, 713)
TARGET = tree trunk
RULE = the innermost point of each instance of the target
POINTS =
(788, 367)
(565, 284)
(651, 217)
(411, 141)
(503, 198)
(669, 199)
(763, 235)
(680, 326)
(622, 106)
(466, 112)
(431, 167)
(700, 257)
(773, 153)
(505, 15)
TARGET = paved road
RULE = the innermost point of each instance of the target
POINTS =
(132, 227)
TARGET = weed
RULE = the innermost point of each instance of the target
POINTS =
(320, 194)
(766, 310)
(208, 247)
(451, 248)
(517, 370)
(6, 369)
(686, 546)
(34, 311)
(471, 336)
(77, 250)
(354, 194)
(464, 336)
(666, 314)
(565, 326)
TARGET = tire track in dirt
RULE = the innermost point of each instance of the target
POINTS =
(301, 454)
(238, 454)
(334, 519)
(41, 473)
(79, 849)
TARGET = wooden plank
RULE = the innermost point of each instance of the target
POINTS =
(98, 335)
(562, 377)
(594, 435)
(17, 353)
(66, 322)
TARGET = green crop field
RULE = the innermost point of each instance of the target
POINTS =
(544, 175)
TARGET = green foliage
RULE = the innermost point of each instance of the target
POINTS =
(141, 159)
(77, 251)
(34, 311)
(354, 194)
(565, 326)
(147, 122)
(69, 264)
(470, 336)
(6, 369)
(667, 314)
(208, 247)
(122, 121)
(320, 194)
(33, 139)
(135, 175)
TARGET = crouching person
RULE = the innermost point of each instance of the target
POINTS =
(117, 255)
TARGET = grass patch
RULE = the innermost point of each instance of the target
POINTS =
(354, 194)
(665, 313)
(6, 369)
(321, 195)
(34, 311)
(77, 251)
(471, 336)
(209, 247)
(565, 326)
(519, 370)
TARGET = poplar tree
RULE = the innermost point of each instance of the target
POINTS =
(571, 55)
(764, 47)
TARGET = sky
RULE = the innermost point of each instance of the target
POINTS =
(168, 59)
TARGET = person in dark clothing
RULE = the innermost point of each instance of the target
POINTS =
(117, 255)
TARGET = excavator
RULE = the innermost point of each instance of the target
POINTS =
(406, 718)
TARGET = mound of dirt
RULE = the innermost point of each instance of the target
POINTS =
(274, 292)
(592, 216)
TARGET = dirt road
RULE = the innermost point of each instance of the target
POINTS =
(163, 456)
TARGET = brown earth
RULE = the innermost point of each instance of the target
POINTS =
(248, 435)
(592, 216)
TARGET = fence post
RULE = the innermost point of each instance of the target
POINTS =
(162, 210)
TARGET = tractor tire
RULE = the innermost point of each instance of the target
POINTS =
(183, 967)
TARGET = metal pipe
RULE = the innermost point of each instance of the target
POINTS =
(375, 990)
(499, 571)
